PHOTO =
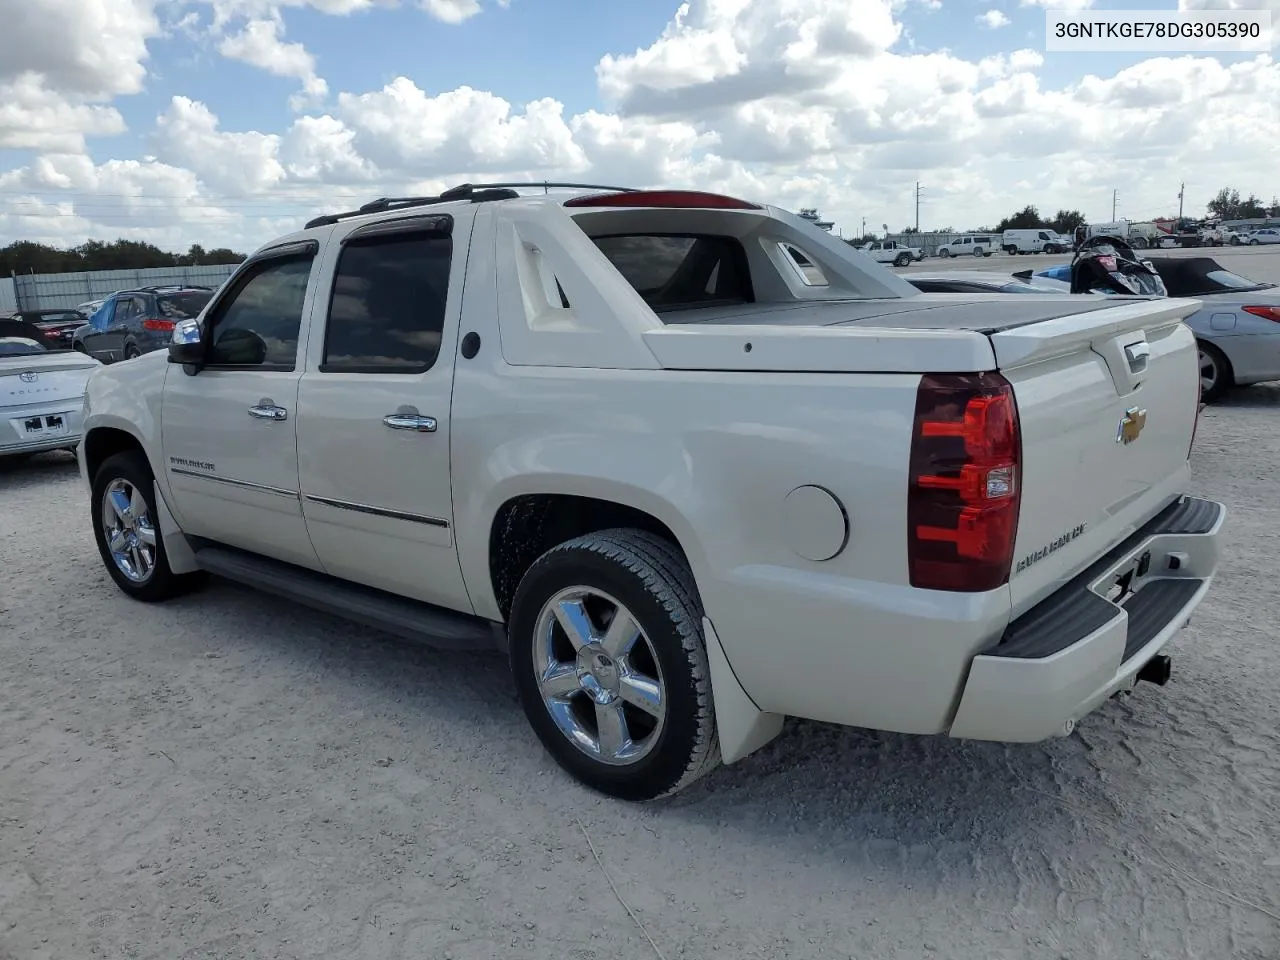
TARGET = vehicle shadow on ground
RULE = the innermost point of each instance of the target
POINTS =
(18, 472)
(815, 782)
(1260, 395)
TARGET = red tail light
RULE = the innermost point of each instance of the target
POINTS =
(1266, 313)
(965, 483)
(155, 323)
(662, 198)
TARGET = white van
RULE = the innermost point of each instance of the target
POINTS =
(1041, 240)
(968, 246)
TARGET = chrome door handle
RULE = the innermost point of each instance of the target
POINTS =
(268, 411)
(410, 421)
(1138, 354)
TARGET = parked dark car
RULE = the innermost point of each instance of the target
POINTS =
(58, 326)
(133, 322)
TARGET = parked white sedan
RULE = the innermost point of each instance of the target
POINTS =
(41, 390)
(1269, 235)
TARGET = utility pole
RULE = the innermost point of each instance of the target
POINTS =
(1181, 193)
(864, 228)
(917, 206)
(1115, 198)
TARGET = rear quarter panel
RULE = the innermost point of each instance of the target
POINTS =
(713, 456)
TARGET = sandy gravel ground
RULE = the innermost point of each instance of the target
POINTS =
(229, 776)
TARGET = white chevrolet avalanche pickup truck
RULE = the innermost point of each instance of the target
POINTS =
(689, 488)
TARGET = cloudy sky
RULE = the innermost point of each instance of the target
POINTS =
(226, 122)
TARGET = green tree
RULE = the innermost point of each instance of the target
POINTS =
(1066, 221)
(25, 257)
(1227, 205)
(1028, 218)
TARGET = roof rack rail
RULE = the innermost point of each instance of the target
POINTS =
(157, 287)
(465, 189)
(475, 192)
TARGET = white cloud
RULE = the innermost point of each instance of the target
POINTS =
(718, 53)
(322, 150)
(451, 11)
(401, 127)
(780, 100)
(994, 19)
(61, 61)
(260, 44)
(1058, 4)
(36, 118)
(91, 48)
(188, 134)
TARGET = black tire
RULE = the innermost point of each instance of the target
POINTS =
(131, 352)
(162, 584)
(1224, 378)
(902, 260)
(648, 576)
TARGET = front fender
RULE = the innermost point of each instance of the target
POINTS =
(127, 397)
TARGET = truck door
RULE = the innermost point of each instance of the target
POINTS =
(374, 404)
(228, 429)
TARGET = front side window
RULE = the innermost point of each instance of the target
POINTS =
(386, 312)
(259, 325)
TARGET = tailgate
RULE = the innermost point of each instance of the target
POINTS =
(1107, 402)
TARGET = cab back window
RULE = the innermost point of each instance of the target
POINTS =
(680, 271)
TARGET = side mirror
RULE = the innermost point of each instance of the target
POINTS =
(185, 346)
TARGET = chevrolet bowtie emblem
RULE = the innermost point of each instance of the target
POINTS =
(1131, 425)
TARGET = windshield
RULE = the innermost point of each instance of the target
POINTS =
(20, 347)
(1028, 288)
(1192, 276)
(19, 337)
(1227, 280)
(183, 306)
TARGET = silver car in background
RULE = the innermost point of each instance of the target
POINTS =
(41, 390)
(1238, 326)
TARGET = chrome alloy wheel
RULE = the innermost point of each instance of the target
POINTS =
(598, 675)
(130, 534)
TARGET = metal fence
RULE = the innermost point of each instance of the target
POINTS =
(51, 291)
(8, 296)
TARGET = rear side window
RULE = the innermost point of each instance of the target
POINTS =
(126, 309)
(680, 271)
(182, 306)
(386, 312)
